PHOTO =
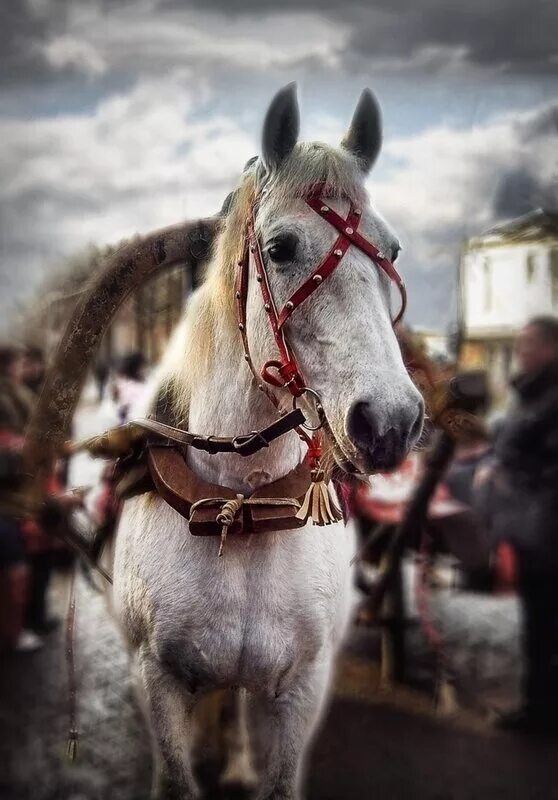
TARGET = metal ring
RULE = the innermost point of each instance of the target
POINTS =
(319, 408)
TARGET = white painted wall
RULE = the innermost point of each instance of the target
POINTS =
(497, 291)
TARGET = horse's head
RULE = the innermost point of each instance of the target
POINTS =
(341, 335)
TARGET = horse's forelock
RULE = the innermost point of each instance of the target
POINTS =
(311, 163)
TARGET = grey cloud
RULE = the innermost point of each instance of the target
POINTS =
(20, 32)
(391, 35)
(527, 185)
(517, 193)
(504, 34)
(546, 122)
(521, 191)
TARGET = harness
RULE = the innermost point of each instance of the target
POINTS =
(152, 455)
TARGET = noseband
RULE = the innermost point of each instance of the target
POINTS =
(285, 371)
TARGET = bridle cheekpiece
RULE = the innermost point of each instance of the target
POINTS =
(284, 372)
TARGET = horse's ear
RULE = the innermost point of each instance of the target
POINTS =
(364, 137)
(281, 126)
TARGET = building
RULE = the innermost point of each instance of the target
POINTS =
(507, 275)
(435, 343)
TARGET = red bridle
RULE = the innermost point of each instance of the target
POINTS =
(285, 372)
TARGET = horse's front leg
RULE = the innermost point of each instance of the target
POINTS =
(290, 718)
(170, 706)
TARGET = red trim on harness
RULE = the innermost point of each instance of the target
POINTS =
(285, 372)
(349, 231)
(326, 267)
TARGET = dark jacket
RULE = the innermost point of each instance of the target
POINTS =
(520, 502)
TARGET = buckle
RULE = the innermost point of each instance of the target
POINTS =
(248, 444)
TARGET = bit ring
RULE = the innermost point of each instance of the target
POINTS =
(319, 408)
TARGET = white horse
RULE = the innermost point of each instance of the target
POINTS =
(269, 617)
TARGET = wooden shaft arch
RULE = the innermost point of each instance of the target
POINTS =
(121, 273)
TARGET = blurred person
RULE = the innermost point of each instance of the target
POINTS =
(101, 372)
(477, 569)
(25, 540)
(517, 493)
(34, 368)
(15, 406)
(475, 444)
(129, 383)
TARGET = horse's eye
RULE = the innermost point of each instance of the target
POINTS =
(282, 248)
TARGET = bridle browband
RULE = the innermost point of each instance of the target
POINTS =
(285, 372)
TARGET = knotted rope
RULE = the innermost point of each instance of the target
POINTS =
(231, 507)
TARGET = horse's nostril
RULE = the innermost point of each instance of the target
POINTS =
(361, 424)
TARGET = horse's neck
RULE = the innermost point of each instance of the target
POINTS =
(228, 404)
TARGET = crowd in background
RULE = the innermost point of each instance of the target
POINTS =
(30, 550)
(497, 511)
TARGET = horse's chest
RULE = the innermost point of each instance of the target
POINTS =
(250, 632)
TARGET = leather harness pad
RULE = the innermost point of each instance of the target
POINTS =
(180, 487)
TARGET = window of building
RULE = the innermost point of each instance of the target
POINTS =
(487, 285)
(530, 267)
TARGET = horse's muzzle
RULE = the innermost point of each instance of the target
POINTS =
(384, 436)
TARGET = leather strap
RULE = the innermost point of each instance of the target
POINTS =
(350, 232)
(123, 440)
(287, 367)
(328, 265)
(244, 445)
(271, 508)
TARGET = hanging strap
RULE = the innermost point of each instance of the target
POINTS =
(121, 440)
(73, 733)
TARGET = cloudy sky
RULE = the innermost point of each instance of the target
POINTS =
(120, 117)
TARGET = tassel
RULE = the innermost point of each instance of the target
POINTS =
(73, 735)
(226, 517)
(318, 502)
(224, 532)
(72, 746)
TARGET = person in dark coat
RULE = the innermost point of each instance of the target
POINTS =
(518, 493)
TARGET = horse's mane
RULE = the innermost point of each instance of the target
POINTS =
(192, 347)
